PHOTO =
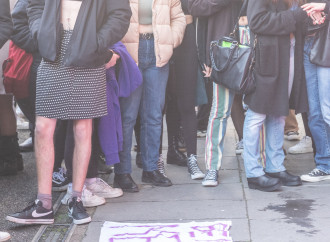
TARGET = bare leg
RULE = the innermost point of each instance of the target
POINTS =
(7, 116)
(82, 151)
(44, 151)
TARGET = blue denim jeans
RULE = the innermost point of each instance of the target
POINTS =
(274, 143)
(148, 100)
(318, 86)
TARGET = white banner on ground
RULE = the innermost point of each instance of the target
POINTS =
(166, 232)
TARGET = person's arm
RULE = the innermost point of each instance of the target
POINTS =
(115, 26)
(6, 25)
(202, 8)
(262, 21)
(34, 12)
(178, 22)
(21, 35)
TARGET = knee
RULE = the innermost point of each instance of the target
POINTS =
(44, 129)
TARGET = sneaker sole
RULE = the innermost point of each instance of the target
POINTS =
(293, 152)
(265, 189)
(292, 137)
(210, 183)
(29, 221)
(82, 221)
(307, 178)
(197, 176)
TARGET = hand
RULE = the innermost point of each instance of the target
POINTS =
(208, 71)
(113, 61)
(318, 17)
(243, 21)
(311, 8)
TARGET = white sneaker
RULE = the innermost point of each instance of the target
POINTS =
(292, 135)
(193, 169)
(88, 198)
(315, 175)
(211, 179)
(201, 133)
(102, 189)
(239, 147)
(304, 146)
(4, 236)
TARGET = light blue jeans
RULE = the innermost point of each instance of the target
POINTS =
(274, 143)
(148, 100)
(318, 90)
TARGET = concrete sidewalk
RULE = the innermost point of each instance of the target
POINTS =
(292, 214)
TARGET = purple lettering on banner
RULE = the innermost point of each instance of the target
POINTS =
(163, 232)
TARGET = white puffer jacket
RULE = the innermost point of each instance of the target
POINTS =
(168, 24)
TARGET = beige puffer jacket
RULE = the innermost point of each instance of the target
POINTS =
(169, 24)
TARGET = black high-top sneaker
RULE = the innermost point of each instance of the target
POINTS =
(77, 211)
(174, 155)
(35, 213)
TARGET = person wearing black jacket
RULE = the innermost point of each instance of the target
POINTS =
(5, 31)
(22, 37)
(278, 27)
(73, 39)
(10, 158)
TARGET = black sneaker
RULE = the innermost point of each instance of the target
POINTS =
(33, 214)
(77, 211)
(60, 181)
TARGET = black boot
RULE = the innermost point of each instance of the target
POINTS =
(11, 160)
(174, 155)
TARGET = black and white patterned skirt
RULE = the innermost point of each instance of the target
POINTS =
(70, 92)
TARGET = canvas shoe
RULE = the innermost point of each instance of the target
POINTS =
(88, 198)
(304, 146)
(102, 189)
(77, 211)
(201, 133)
(210, 179)
(4, 236)
(35, 213)
(193, 169)
(60, 181)
(292, 135)
(239, 147)
(315, 175)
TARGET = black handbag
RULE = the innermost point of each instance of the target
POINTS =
(233, 63)
(320, 51)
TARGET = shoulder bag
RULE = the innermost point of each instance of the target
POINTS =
(233, 63)
(320, 51)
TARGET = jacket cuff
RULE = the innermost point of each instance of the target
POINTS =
(299, 15)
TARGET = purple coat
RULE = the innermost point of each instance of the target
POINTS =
(122, 80)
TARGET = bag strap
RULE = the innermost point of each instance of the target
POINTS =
(243, 8)
(233, 47)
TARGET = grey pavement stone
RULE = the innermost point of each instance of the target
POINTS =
(171, 210)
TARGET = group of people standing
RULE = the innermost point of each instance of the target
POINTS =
(168, 40)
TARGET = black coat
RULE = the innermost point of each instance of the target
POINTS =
(273, 24)
(100, 24)
(6, 25)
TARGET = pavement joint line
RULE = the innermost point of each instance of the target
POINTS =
(43, 228)
(244, 197)
(71, 230)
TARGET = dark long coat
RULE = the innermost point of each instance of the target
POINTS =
(6, 26)
(273, 24)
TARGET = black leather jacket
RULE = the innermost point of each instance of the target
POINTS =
(100, 24)
(6, 25)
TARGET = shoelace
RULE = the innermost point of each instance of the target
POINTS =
(31, 204)
(239, 145)
(59, 175)
(192, 165)
(161, 165)
(316, 172)
(80, 207)
(211, 175)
